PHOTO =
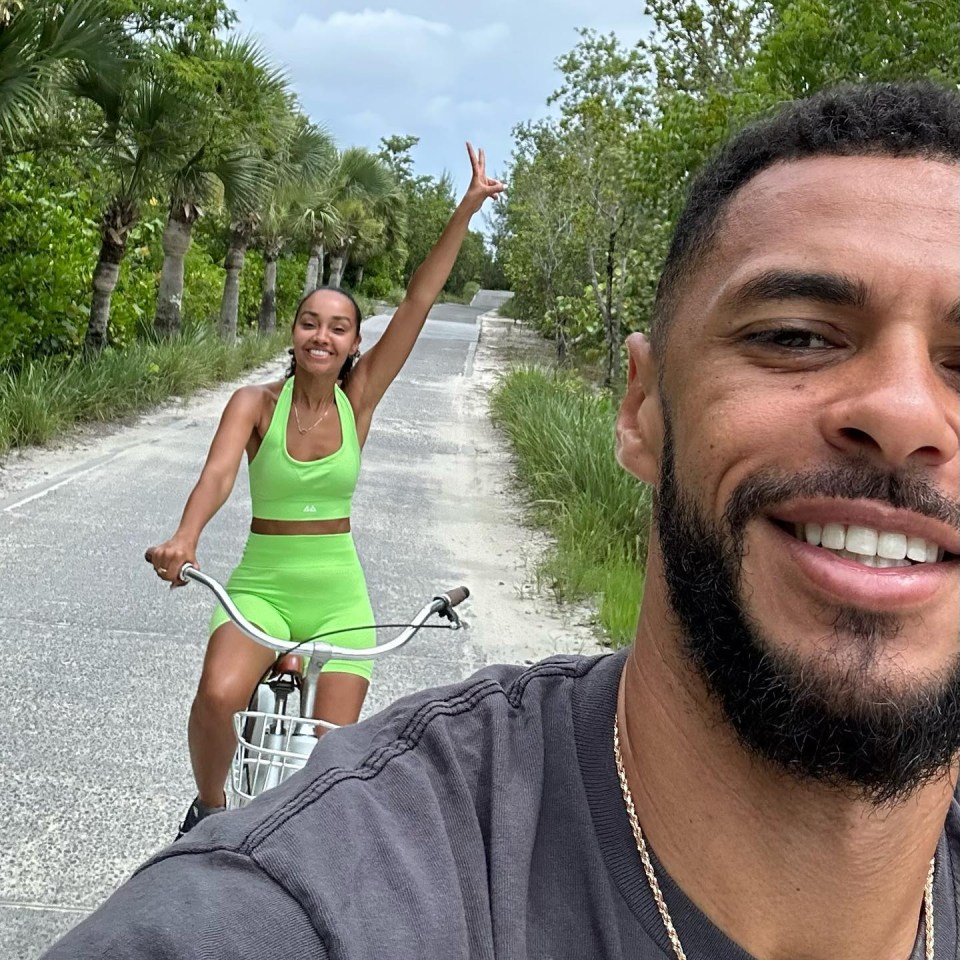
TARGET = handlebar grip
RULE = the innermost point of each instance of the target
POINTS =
(185, 571)
(457, 595)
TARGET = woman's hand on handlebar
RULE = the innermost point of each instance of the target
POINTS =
(168, 559)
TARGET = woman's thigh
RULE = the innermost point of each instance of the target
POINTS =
(233, 662)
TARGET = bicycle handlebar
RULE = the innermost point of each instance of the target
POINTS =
(442, 604)
(456, 596)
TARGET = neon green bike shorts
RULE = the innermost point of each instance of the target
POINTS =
(295, 587)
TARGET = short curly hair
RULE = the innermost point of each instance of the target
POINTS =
(915, 119)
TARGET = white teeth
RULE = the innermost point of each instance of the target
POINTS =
(833, 536)
(862, 540)
(893, 546)
(879, 563)
(874, 548)
(917, 549)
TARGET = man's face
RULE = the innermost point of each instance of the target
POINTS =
(809, 502)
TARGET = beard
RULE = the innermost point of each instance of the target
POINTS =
(841, 718)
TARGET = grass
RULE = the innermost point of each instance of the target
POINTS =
(598, 514)
(46, 398)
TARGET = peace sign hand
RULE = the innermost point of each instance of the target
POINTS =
(481, 186)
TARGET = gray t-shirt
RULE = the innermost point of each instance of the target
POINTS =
(479, 821)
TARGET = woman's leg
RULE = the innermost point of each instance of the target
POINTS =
(231, 668)
(340, 698)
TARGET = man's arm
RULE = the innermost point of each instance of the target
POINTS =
(196, 906)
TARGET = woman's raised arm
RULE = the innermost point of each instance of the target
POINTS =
(379, 367)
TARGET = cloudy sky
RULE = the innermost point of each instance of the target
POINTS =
(443, 70)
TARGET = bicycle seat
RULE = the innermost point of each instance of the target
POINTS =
(289, 663)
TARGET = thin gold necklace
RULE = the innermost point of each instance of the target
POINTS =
(296, 416)
(655, 886)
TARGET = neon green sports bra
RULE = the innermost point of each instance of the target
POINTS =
(282, 488)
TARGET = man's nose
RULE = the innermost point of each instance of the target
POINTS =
(894, 405)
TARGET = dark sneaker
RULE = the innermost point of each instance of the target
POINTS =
(195, 813)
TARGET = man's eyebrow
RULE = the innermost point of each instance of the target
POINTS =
(831, 288)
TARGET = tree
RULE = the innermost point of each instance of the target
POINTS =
(607, 178)
(603, 104)
(356, 175)
(306, 156)
(141, 140)
(235, 89)
(43, 46)
(812, 44)
(537, 236)
(430, 204)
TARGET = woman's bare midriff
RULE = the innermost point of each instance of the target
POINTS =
(299, 527)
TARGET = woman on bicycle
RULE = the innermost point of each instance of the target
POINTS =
(300, 574)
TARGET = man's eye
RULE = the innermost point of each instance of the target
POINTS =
(789, 339)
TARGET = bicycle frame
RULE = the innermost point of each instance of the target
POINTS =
(272, 744)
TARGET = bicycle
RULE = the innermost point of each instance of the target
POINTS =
(272, 742)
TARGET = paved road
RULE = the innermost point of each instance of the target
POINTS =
(490, 299)
(98, 663)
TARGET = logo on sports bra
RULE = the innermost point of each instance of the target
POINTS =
(309, 508)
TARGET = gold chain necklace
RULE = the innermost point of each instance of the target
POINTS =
(655, 886)
(296, 416)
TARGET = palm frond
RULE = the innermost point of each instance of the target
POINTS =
(360, 173)
(245, 177)
(41, 49)
(246, 54)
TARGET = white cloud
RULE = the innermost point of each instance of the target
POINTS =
(440, 70)
(379, 51)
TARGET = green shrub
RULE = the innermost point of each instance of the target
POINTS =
(48, 247)
(379, 288)
(202, 286)
(599, 515)
(46, 397)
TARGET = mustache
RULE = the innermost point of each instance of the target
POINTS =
(854, 480)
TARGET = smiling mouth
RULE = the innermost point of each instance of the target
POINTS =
(870, 547)
(319, 354)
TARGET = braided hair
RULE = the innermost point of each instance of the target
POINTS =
(351, 361)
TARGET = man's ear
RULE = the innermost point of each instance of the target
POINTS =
(640, 420)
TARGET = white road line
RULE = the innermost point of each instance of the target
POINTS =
(55, 907)
(56, 486)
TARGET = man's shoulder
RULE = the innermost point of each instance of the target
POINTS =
(480, 728)
(394, 834)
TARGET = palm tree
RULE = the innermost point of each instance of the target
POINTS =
(141, 140)
(371, 227)
(239, 176)
(222, 162)
(360, 229)
(356, 175)
(42, 45)
(318, 221)
(309, 153)
(302, 153)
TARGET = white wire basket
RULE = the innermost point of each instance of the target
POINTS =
(270, 748)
